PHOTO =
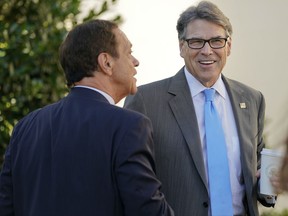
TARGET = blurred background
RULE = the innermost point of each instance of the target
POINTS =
(32, 30)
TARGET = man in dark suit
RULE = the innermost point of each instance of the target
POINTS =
(176, 108)
(84, 156)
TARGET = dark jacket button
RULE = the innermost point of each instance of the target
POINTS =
(205, 204)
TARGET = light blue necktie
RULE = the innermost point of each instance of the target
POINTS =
(218, 168)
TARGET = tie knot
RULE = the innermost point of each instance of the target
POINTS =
(209, 94)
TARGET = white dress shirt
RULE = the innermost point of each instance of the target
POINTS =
(224, 109)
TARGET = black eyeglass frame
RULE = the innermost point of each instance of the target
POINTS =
(207, 41)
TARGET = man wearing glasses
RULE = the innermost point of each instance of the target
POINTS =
(177, 109)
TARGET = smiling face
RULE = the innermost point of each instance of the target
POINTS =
(205, 64)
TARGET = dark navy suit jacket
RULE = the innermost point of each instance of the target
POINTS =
(79, 157)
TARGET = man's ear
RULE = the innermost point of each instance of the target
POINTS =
(229, 46)
(181, 47)
(105, 62)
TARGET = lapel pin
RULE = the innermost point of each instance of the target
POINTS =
(243, 105)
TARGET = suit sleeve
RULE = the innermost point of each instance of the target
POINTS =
(135, 172)
(263, 199)
(6, 184)
(6, 192)
(261, 119)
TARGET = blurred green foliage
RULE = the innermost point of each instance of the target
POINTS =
(31, 32)
(273, 213)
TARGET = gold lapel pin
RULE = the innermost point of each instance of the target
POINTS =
(243, 105)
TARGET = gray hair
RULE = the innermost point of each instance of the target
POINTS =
(204, 10)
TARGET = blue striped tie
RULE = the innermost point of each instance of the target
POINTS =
(218, 168)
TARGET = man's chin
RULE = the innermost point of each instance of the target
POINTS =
(133, 91)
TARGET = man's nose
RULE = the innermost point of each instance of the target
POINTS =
(206, 49)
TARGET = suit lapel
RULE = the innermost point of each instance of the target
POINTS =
(183, 109)
(242, 113)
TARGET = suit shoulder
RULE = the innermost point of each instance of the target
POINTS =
(239, 86)
(24, 123)
(153, 90)
(156, 84)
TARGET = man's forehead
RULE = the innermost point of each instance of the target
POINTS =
(123, 38)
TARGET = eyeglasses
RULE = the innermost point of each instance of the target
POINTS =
(214, 43)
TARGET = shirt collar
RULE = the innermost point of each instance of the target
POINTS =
(196, 87)
(108, 97)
